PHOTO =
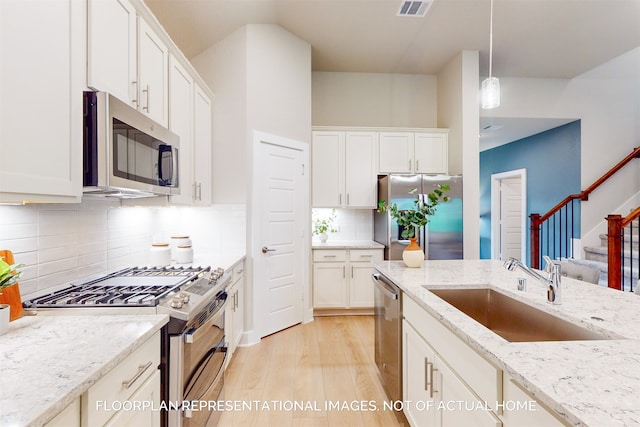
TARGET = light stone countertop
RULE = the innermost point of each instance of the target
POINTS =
(586, 383)
(49, 360)
(346, 244)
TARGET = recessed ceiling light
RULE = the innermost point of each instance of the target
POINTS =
(414, 8)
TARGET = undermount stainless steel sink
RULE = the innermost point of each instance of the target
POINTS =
(513, 320)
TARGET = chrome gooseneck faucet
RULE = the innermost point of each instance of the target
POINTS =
(552, 281)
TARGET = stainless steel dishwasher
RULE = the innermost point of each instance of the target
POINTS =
(388, 344)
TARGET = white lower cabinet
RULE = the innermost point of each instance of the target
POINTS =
(134, 381)
(522, 410)
(342, 278)
(449, 384)
(68, 417)
(233, 320)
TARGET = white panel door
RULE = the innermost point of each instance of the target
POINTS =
(279, 271)
(511, 217)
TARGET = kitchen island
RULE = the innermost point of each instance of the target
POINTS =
(583, 383)
(48, 361)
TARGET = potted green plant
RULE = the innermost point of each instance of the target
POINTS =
(9, 275)
(324, 225)
(413, 219)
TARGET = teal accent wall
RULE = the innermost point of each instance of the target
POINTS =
(552, 161)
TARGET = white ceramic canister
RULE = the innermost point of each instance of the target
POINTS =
(178, 240)
(160, 255)
(183, 254)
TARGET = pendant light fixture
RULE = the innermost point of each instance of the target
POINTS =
(491, 85)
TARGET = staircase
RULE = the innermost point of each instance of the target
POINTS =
(617, 255)
(597, 257)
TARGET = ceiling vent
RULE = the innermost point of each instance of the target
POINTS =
(414, 8)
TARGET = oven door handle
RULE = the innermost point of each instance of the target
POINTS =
(189, 335)
(187, 411)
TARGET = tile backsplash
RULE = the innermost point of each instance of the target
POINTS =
(352, 224)
(60, 243)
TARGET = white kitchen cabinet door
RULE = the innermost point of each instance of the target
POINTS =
(431, 153)
(360, 285)
(153, 68)
(42, 75)
(396, 152)
(329, 285)
(112, 48)
(327, 169)
(68, 417)
(518, 413)
(149, 393)
(454, 394)
(203, 149)
(360, 169)
(417, 379)
(181, 123)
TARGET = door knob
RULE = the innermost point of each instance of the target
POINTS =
(266, 249)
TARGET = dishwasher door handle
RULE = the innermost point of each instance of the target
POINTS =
(384, 287)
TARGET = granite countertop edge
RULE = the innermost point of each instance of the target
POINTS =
(549, 371)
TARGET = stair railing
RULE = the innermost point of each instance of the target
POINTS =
(617, 254)
(555, 230)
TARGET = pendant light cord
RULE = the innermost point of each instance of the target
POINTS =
(491, 40)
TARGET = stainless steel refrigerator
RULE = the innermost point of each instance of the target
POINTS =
(442, 237)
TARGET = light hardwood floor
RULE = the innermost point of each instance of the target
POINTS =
(329, 361)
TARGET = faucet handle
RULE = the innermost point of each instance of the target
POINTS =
(548, 267)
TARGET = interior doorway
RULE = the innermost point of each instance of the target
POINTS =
(509, 215)
(280, 226)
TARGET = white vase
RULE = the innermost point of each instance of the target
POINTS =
(4, 318)
(413, 255)
(323, 237)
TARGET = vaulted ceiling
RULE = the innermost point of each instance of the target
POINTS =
(532, 38)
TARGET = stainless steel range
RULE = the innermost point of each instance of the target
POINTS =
(193, 342)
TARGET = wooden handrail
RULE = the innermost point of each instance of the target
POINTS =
(584, 195)
(634, 214)
(615, 225)
(537, 219)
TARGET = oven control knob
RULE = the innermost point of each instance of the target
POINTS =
(185, 297)
(176, 302)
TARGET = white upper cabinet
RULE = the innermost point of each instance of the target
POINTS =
(396, 152)
(344, 169)
(203, 147)
(413, 152)
(360, 169)
(181, 123)
(112, 48)
(328, 168)
(42, 75)
(153, 65)
(190, 119)
(431, 153)
(127, 58)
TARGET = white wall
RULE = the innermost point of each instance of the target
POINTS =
(62, 243)
(261, 75)
(606, 100)
(374, 99)
(458, 110)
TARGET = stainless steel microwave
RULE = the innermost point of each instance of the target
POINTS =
(126, 154)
